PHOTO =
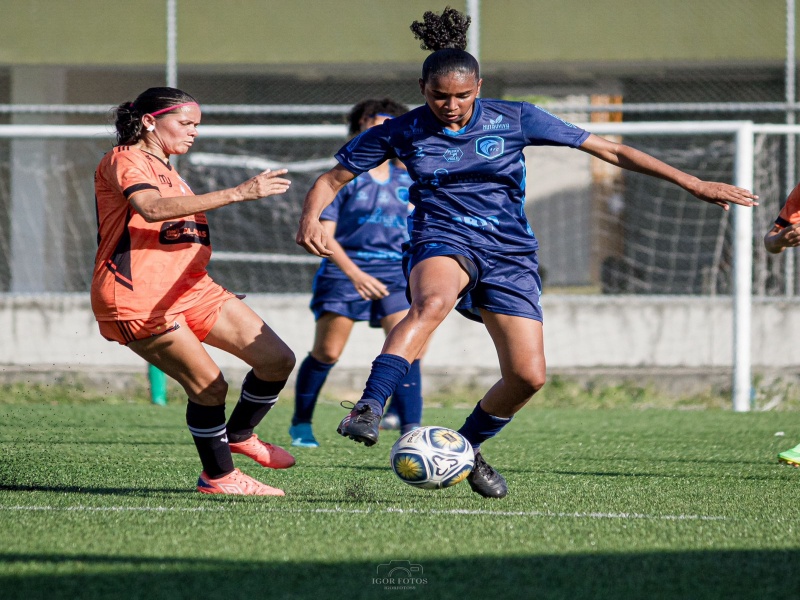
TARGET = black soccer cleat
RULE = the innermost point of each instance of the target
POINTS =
(361, 425)
(484, 480)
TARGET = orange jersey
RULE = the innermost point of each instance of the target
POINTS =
(790, 213)
(143, 270)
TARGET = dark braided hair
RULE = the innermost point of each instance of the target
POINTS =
(369, 108)
(446, 36)
(128, 115)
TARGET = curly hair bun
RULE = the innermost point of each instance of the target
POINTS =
(437, 32)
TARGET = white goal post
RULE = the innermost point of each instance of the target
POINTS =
(742, 131)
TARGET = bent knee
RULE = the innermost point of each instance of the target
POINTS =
(431, 308)
(529, 382)
(277, 365)
(212, 394)
(327, 355)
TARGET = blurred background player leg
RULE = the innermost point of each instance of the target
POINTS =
(158, 385)
(405, 410)
(391, 418)
(331, 334)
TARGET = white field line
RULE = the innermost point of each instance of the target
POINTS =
(80, 508)
(354, 511)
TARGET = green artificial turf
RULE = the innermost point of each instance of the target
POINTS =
(97, 500)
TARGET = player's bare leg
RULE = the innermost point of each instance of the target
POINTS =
(331, 333)
(520, 350)
(241, 332)
(404, 411)
(181, 356)
(435, 284)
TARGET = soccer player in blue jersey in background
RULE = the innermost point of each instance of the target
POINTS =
(471, 246)
(363, 279)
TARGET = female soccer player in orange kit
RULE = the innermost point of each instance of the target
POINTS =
(151, 291)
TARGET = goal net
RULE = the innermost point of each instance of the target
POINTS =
(601, 229)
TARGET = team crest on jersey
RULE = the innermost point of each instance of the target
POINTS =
(490, 146)
(402, 194)
(453, 154)
(497, 123)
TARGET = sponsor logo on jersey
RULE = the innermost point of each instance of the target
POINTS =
(413, 129)
(478, 222)
(377, 217)
(437, 174)
(490, 146)
(184, 232)
(453, 154)
(497, 123)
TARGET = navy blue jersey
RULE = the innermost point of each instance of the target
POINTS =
(469, 185)
(371, 220)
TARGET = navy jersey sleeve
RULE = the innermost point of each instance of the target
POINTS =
(331, 212)
(367, 150)
(542, 128)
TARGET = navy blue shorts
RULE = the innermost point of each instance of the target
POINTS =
(505, 284)
(338, 295)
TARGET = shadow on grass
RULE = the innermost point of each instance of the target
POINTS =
(79, 489)
(697, 575)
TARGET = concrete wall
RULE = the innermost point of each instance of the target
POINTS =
(581, 332)
(301, 32)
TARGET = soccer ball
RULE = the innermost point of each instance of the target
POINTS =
(432, 458)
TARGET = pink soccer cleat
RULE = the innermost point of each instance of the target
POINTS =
(267, 455)
(235, 483)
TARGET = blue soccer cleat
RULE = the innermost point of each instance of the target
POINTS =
(303, 436)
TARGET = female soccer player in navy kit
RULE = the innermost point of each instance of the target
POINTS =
(471, 245)
(363, 280)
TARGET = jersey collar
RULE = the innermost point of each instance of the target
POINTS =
(477, 111)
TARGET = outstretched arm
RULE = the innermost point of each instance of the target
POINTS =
(312, 235)
(625, 157)
(153, 208)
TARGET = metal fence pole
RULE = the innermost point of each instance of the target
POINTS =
(791, 141)
(743, 274)
(172, 43)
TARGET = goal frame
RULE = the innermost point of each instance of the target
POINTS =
(743, 133)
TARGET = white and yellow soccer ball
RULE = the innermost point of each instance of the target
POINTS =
(432, 458)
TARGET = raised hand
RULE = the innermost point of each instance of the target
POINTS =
(266, 183)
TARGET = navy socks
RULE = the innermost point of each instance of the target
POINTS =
(387, 371)
(481, 426)
(407, 398)
(310, 378)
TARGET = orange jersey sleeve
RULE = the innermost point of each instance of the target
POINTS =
(790, 213)
(142, 269)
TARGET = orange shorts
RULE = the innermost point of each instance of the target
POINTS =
(200, 319)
